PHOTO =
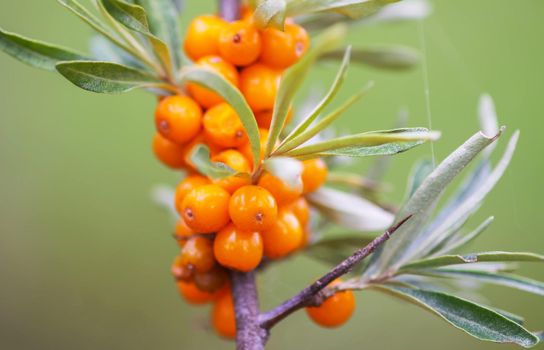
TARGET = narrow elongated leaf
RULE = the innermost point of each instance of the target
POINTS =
(507, 280)
(487, 115)
(215, 82)
(104, 50)
(333, 90)
(293, 78)
(35, 53)
(270, 13)
(396, 58)
(540, 335)
(350, 211)
(472, 258)
(476, 320)
(462, 241)
(429, 239)
(333, 250)
(350, 8)
(324, 122)
(422, 202)
(163, 21)
(200, 158)
(134, 17)
(420, 171)
(289, 170)
(368, 143)
(105, 77)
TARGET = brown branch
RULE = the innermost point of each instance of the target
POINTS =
(249, 334)
(312, 295)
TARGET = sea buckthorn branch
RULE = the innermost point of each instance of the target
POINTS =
(229, 9)
(312, 295)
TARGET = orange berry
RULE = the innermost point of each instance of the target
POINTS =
(246, 14)
(253, 208)
(246, 148)
(280, 190)
(301, 209)
(204, 96)
(314, 174)
(236, 161)
(223, 316)
(259, 85)
(193, 295)
(181, 271)
(240, 43)
(178, 118)
(169, 153)
(206, 208)
(202, 38)
(292, 43)
(237, 249)
(211, 281)
(264, 118)
(223, 126)
(284, 237)
(183, 232)
(335, 310)
(185, 186)
(197, 254)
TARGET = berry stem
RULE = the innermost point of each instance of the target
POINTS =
(312, 295)
(249, 334)
(229, 10)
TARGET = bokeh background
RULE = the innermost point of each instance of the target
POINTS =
(85, 254)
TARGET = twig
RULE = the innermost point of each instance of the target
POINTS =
(229, 10)
(249, 334)
(312, 295)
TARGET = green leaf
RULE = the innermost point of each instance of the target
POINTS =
(394, 252)
(396, 58)
(332, 251)
(487, 115)
(428, 239)
(465, 239)
(367, 144)
(289, 170)
(349, 210)
(200, 158)
(104, 50)
(508, 280)
(134, 17)
(293, 78)
(164, 23)
(419, 173)
(333, 90)
(80, 11)
(270, 13)
(476, 320)
(350, 8)
(472, 258)
(105, 77)
(35, 53)
(218, 84)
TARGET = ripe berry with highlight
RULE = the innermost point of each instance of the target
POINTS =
(314, 174)
(237, 249)
(253, 208)
(190, 292)
(169, 153)
(178, 118)
(202, 37)
(186, 185)
(282, 192)
(206, 208)
(292, 43)
(223, 126)
(223, 316)
(259, 85)
(335, 310)
(240, 43)
(284, 237)
(197, 254)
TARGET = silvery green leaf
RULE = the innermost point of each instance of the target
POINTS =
(200, 158)
(393, 57)
(288, 169)
(35, 53)
(462, 240)
(105, 77)
(487, 115)
(349, 210)
(104, 50)
(446, 260)
(394, 252)
(350, 8)
(507, 280)
(476, 320)
(293, 78)
(428, 239)
(419, 173)
(270, 13)
(407, 10)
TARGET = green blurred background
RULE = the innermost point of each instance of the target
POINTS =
(85, 255)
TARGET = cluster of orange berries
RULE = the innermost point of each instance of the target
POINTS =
(231, 223)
